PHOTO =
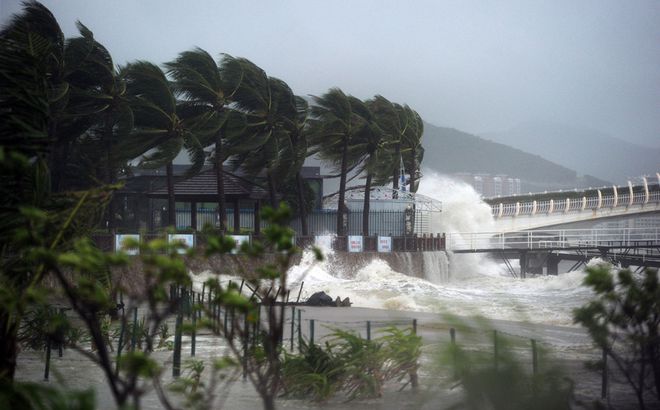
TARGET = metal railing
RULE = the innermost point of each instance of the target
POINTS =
(554, 239)
(573, 204)
(381, 222)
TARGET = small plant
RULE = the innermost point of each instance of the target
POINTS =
(351, 364)
(163, 335)
(315, 373)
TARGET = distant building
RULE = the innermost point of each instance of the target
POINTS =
(488, 185)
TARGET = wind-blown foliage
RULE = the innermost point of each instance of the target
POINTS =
(207, 93)
(160, 133)
(623, 319)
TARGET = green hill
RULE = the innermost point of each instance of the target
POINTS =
(448, 151)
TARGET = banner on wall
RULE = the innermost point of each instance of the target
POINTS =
(119, 243)
(239, 239)
(188, 240)
(323, 241)
(384, 244)
(354, 243)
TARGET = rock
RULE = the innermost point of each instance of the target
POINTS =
(320, 299)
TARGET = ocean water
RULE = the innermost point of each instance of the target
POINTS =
(461, 284)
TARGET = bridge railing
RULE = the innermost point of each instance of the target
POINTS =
(553, 239)
(559, 204)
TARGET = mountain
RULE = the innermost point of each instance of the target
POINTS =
(586, 151)
(448, 150)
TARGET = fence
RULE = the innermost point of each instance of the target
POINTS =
(555, 238)
(108, 242)
(381, 222)
(550, 206)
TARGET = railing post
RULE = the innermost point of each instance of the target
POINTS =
(311, 332)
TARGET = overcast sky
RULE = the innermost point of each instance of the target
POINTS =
(477, 66)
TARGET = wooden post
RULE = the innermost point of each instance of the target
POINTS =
(452, 334)
(293, 322)
(368, 330)
(193, 337)
(120, 344)
(134, 335)
(415, 326)
(246, 339)
(299, 331)
(495, 353)
(603, 386)
(535, 362)
(237, 217)
(193, 215)
(176, 358)
(47, 369)
(311, 332)
(257, 218)
(300, 291)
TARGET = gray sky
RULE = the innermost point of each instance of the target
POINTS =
(473, 65)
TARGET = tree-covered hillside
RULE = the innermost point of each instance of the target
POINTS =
(448, 150)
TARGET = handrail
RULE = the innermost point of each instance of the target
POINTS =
(621, 200)
(554, 238)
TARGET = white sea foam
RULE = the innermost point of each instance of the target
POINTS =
(455, 283)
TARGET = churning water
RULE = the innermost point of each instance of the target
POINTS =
(465, 284)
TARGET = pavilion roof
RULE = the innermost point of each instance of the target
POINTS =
(203, 187)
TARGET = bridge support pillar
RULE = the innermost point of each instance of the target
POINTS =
(552, 264)
(523, 264)
(532, 262)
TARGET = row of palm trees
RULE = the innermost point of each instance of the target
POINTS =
(98, 118)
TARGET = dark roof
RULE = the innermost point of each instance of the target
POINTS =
(203, 187)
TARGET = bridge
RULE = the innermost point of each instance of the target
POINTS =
(522, 222)
(545, 249)
(535, 211)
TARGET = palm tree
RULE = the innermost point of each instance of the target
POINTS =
(295, 153)
(335, 127)
(159, 131)
(266, 103)
(207, 93)
(414, 152)
(372, 152)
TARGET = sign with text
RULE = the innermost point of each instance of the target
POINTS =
(323, 241)
(187, 240)
(120, 246)
(354, 243)
(239, 239)
(384, 244)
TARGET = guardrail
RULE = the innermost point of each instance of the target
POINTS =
(575, 204)
(554, 239)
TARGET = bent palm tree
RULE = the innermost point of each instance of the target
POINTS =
(159, 131)
(266, 102)
(334, 128)
(207, 94)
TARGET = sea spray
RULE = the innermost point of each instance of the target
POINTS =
(463, 211)
(436, 267)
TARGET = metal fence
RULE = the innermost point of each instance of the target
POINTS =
(391, 223)
(414, 243)
(554, 238)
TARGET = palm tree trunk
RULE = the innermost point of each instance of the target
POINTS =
(302, 205)
(272, 190)
(171, 201)
(396, 175)
(341, 207)
(109, 172)
(366, 207)
(220, 182)
(8, 346)
(413, 172)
